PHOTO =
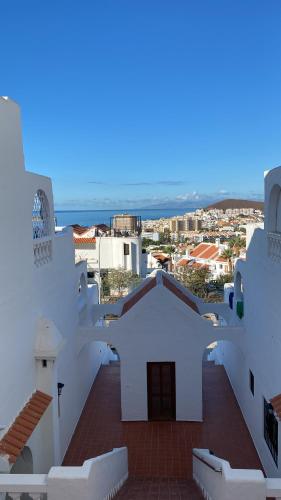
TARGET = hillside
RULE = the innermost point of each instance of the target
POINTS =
(236, 203)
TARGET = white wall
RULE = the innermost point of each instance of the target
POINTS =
(108, 253)
(260, 349)
(28, 292)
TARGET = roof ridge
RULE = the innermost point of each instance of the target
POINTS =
(176, 290)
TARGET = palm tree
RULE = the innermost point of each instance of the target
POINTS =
(228, 255)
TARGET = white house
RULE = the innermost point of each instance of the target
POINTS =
(109, 252)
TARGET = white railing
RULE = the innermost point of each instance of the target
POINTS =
(99, 478)
(274, 246)
(35, 485)
(218, 481)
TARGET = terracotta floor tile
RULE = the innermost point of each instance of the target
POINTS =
(162, 449)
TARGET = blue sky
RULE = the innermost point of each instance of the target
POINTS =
(130, 103)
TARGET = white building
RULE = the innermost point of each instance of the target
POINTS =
(109, 252)
(43, 298)
(54, 339)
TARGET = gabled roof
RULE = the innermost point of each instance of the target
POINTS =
(179, 293)
(205, 251)
(153, 282)
(199, 250)
(13, 442)
(138, 295)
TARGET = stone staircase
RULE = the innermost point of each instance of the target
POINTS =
(159, 489)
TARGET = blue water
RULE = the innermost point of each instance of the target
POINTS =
(91, 217)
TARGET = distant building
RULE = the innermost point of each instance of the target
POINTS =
(178, 225)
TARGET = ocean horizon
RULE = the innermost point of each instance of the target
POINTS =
(92, 217)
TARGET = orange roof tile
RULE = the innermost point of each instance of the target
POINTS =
(179, 293)
(276, 404)
(199, 265)
(210, 253)
(183, 262)
(199, 249)
(82, 241)
(13, 442)
(138, 295)
(205, 251)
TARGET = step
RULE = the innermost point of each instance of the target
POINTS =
(159, 488)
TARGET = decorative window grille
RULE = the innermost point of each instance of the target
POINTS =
(41, 226)
(271, 430)
(41, 216)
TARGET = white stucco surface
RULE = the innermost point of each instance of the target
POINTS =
(29, 292)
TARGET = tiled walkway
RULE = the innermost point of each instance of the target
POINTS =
(162, 449)
(159, 489)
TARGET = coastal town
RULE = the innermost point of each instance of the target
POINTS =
(201, 246)
(140, 290)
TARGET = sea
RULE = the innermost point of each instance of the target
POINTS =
(92, 217)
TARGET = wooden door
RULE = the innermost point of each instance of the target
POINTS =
(161, 391)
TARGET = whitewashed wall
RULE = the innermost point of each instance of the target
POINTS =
(108, 253)
(161, 327)
(260, 350)
(27, 293)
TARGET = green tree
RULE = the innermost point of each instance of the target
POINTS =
(196, 280)
(228, 255)
(236, 244)
(119, 280)
(169, 249)
(146, 242)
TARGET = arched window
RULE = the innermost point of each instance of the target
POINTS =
(41, 223)
(41, 227)
(274, 210)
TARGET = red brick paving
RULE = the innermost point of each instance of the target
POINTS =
(163, 449)
(159, 489)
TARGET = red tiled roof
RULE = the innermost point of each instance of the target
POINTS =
(276, 404)
(199, 265)
(13, 442)
(199, 249)
(210, 253)
(205, 251)
(176, 291)
(183, 262)
(138, 295)
(81, 241)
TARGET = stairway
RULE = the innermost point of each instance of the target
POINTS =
(159, 489)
